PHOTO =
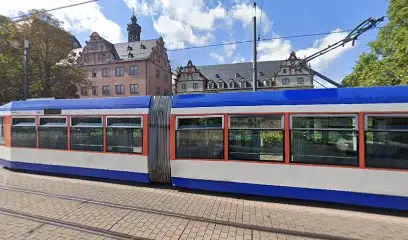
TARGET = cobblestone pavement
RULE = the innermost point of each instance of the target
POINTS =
(296, 221)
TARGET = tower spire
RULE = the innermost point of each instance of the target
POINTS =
(134, 29)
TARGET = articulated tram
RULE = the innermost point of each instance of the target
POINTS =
(345, 145)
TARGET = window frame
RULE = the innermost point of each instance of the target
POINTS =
(366, 116)
(184, 86)
(195, 85)
(135, 116)
(135, 87)
(35, 125)
(122, 73)
(2, 130)
(134, 73)
(106, 93)
(323, 115)
(85, 116)
(105, 72)
(94, 93)
(284, 82)
(53, 126)
(121, 87)
(202, 116)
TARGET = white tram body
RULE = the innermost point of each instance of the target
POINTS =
(89, 163)
(347, 145)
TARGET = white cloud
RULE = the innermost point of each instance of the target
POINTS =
(82, 18)
(218, 57)
(229, 49)
(279, 49)
(323, 61)
(276, 49)
(239, 59)
(244, 12)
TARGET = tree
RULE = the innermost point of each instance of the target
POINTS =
(11, 62)
(53, 72)
(387, 61)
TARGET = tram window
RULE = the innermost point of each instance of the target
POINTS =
(387, 142)
(52, 133)
(256, 138)
(1, 130)
(124, 134)
(23, 132)
(329, 139)
(200, 137)
(87, 134)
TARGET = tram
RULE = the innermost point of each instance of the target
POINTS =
(343, 145)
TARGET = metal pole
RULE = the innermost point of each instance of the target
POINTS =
(25, 69)
(254, 62)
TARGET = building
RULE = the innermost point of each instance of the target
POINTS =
(136, 67)
(238, 77)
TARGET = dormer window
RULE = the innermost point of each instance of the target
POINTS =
(258, 84)
(284, 70)
(267, 83)
(211, 85)
(220, 84)
(231, 84)
(242, 84)
(237, 75)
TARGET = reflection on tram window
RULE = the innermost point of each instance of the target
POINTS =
(200, 138)
(52, 133)
(23, 133)
(87, 134)
(124, 135)
(256, 138)
(1, 130)
(329, 140)
(387, 142)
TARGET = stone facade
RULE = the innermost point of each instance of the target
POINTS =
(137, 67)
(238, 77)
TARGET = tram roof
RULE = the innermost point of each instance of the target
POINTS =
(389, 94)
(74, 104)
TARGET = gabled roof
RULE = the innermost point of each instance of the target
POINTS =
(139, 53)
(266, 69)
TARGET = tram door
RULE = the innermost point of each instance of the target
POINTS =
(159, 137)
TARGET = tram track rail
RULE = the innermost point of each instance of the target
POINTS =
(70, 225)
(157, 212)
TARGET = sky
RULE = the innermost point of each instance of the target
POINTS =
(191, 23)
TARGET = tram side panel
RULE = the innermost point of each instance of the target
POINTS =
(216, 151)
(107, 162)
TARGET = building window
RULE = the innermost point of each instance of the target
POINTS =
(211, 85)
(285, 81)
(87, 134)
(23, 132)
(158, 73)
(284, 70)
(195, 85)
(84, 91)
(157, 90)
(196, 76)
(94, 90)
(105, 90)
(134, 89)
(119, 71)
(124, 135)
(256, 138)
(258, 84)
(329, 139)
(120, 89)
(267, 83)
(242, 84)
(220, 84)
(103, 57)
(94, 46)
(2, 125)
(386, 142)
(52, 133)
(301, 80)
(133, 70)
(200, 138)
(105, 72)
(183, 86)
(231, 84)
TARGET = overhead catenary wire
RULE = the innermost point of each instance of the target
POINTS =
(20, 18)
(264, 39)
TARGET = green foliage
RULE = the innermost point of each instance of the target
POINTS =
(387, 62)
(52, 70)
